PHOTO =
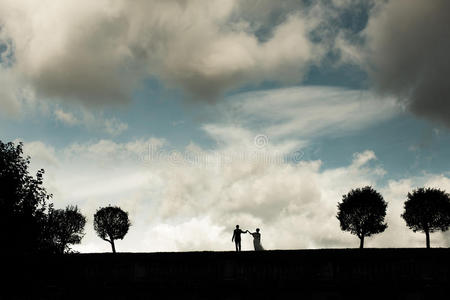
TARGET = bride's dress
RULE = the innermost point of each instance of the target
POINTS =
(257, 241)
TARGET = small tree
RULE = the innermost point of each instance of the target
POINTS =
(362, 213)
(427, 210)
(111, 223)
(66, 227)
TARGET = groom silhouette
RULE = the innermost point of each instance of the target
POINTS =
(237, 238)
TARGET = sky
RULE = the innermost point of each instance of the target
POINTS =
(194, 116)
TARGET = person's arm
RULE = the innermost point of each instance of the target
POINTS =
(232, 239)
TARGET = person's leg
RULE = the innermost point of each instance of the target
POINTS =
(239, 246)
(236, 244)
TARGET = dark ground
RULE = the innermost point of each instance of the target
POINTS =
(281, 274)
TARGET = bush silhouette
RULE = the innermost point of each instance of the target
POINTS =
(427, 210)
(111, 223)
(23, 203)
(362, 213)
(66, 227)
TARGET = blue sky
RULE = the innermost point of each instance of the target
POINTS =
(348, 99)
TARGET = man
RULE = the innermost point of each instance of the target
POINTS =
(237, 238)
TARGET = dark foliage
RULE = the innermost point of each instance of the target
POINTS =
(111, 223)
(427, 210)
(65, 227)
(362, 213)
(23, 203)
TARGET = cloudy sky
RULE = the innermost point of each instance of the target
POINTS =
(195, 116)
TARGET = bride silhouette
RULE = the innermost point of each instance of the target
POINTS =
(256, 240)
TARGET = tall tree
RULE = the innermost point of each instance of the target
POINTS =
(23, 202)
(427, 210)
(111, 223)
(66, 227)
(362, 212)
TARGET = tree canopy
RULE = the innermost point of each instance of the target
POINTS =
(362, 212)
(111, 223)
(66, 227)
(23, 202)
(427, 210)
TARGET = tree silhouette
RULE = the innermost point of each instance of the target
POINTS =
(362, 213)
(427, 210)
(66, 227)
(23, 202)
(111, 223)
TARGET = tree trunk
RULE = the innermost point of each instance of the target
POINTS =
(113, 246)
(361, 243)
(427, 234)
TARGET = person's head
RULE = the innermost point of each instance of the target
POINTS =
(237, 226)
(257, 229)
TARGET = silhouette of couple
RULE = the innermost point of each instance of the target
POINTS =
(256, 238)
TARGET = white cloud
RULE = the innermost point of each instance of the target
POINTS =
(310, 111)
(66, 117)
(91, 121)
(360, 159)
(180, 206)
(40, 152)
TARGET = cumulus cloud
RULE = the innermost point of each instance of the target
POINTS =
(407, 48)
(360, 159)
(99, 52)
(42, 153)
(171, 203)
(177, 203)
